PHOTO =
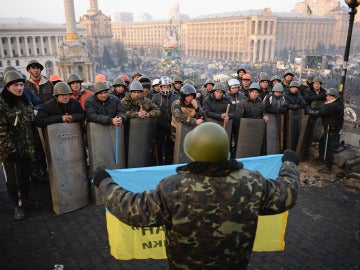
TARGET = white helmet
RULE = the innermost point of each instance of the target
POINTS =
(233, 82)
(155, 82)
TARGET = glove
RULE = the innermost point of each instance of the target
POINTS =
(100, 174)
(290, 155)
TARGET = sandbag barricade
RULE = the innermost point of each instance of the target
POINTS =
(179, 154)
(250, 139)
(65, 153)
(106, 149)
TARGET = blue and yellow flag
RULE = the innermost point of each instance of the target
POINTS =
(128, 242)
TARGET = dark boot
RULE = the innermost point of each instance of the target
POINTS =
(28, 203)
(19, 212)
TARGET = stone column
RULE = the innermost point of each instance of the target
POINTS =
(71, 33)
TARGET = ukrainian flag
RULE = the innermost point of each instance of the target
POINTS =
(128, 243)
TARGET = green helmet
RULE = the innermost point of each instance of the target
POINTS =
(99, 87)
(295, 84)
(317, 79)
(219, 86)
(264, 77)
(136, 86)
(12, 77)
(207, 142)
(33, 63)
(332, 92)
(188, 81)
(8, 68)
(177, 79)
(61, 88)
(278, 87)
(119, 81)
(73, 77)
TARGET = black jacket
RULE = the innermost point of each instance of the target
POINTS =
(332, 115)
(52, 112)
(214, 108)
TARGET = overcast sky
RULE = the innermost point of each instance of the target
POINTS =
(53, 10)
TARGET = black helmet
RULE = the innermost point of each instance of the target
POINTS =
(73, 77)
(61, 88)
(33, 63)
(207, 142)
(188, 89)
(12, 77)
(145, 81)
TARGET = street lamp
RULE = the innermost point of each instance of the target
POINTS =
(353, 4)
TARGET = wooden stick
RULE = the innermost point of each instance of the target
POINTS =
(227, 113)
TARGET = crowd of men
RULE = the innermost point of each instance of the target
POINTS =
(35, 101)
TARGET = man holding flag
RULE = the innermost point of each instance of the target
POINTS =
(210, 207)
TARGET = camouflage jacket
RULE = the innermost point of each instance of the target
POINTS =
(17, 129)
(132, 107)
(209, 210)
(185, 114)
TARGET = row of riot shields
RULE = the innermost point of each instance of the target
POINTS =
(107, 147)
(134, 145)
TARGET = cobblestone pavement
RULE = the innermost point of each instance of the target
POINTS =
(323, 232)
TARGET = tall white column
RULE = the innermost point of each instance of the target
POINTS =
(71, 33)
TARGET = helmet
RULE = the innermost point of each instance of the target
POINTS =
(177, 79)
(33, 63)
(188, 89)
(219, 86)
(12, 77)
(207, 142)
(295, 84)
(165, 81)
(278, 88)
(275, 77)
(255, 86)
(209, 81)
(188, 81)
(264, 77)
(136, 86)
(317, 79)
(8, 68)
(74, 78)
(119, 81)
(332, 92)
(233, 82)
(145, 81)
(288, 72)
(55, 78)
(100, 78)
(136, 74)
(310, 77)
(100, 86)
(246, 77)
(125, 78)
(155, 82)
(61, 88)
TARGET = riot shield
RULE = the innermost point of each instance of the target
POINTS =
(67, 166)
(179, 154)
(251, 133)
(293, 126)
(228, 125)
(272, 141)
(318, 128)
(141, 138)
(305, 137)
(106, 149)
